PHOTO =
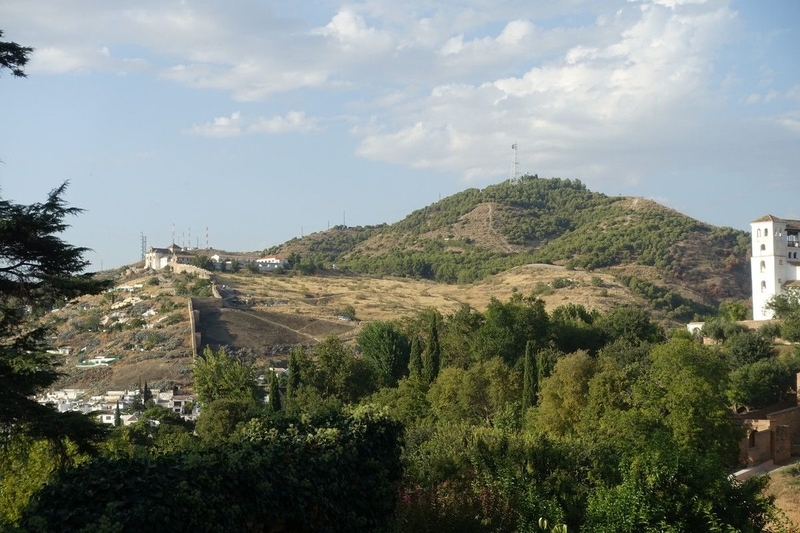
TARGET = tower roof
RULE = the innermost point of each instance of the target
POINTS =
(793, 224)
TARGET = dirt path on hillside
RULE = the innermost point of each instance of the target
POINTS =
(506, 247)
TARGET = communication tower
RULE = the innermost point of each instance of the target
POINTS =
(514, 164)
(144, 246)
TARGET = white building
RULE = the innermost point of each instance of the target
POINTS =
(775, 262)
(271, 262)
(158, 258)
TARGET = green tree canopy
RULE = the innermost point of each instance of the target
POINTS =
(787, 309)
(630, 323)
(387, 347)
(219, 375)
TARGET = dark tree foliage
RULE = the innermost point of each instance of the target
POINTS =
(14, 57)
(764, 382)
(509, 326)
(632, 324)
(283, 475)
(720, 328)
(748, 347)
(573, 328)
(38, 270)
(432, 356)
(294, 375)
(274, 392)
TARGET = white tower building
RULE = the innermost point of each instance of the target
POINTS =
(775, 261)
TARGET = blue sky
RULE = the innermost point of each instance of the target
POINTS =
(260, 120)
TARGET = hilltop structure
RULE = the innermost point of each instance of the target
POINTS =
(158, 258)
(775, 263)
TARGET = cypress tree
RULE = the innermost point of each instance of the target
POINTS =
(147, 395)
(415, 360)
(293, 382)
(274, 392)
(530, 386)
(431, 358)
(117, 417)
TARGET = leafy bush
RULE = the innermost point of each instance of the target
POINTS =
(333, 475)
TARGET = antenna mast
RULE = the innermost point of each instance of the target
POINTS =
(514, 165)
(144, 246)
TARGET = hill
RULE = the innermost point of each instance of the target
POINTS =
(660, 253)
(549, 237)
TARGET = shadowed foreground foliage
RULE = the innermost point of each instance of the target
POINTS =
(281, 475)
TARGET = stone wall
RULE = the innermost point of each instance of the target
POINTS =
(191, 269)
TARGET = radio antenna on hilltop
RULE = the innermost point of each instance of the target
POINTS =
(173, 234)
(514, 164)
(144, 246)
(207, 238)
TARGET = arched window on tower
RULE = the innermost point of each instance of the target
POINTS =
(763, 266)
(763, 247)
(758, 232)
(766, 232)
(763, 286)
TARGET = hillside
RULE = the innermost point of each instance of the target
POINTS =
(549, 237)
(477, 233)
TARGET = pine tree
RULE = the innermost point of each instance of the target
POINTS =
(14, 57)
(38, 271)
(117, 417)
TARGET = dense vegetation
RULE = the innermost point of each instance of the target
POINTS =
(494, 421)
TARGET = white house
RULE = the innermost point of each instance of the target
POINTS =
(775, 261)
(158, 258)
(271, 262)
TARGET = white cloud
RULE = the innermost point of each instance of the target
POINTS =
(568, 109)
(293, 121)
(675, 3)
(583, 87)
(351, 35)
(236, 125)
(220, 127)
(791, 121)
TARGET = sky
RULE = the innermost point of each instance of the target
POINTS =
(243, 124)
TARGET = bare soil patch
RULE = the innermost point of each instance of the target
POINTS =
(785, 487)
(259, 331)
